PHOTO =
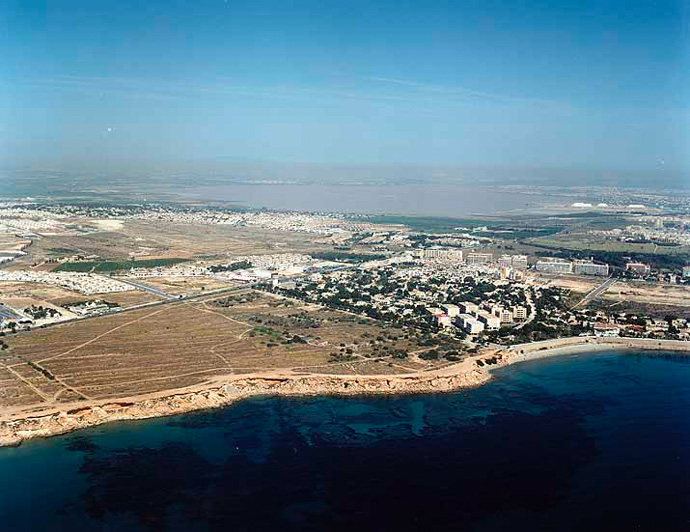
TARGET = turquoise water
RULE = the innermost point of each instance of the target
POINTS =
(596, 441)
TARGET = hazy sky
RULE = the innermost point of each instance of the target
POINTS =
(585, 82)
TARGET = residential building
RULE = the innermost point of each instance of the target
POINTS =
(490, 321)
(638, 268)
(444, 320)
(585, 267)
(554, 266)
(479, 258)
(506, 316)
(468, 308)
(452, 310)
(519, 262)
(606, 329)
(519, 313)
(470, 324)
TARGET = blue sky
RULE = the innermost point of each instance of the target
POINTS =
(594, 83)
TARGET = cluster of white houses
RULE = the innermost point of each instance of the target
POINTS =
(473, 318)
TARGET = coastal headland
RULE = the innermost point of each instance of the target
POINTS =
(18, 425)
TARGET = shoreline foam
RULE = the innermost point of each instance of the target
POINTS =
(26, 424)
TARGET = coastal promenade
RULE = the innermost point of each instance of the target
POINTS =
(21, 424)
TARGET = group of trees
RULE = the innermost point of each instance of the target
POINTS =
(239, 265)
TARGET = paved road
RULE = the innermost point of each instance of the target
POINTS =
(147, 288)
(603, 287)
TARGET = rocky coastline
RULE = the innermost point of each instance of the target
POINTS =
(473, 371)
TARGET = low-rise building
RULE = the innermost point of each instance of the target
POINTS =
(638, 268)
(606, 329)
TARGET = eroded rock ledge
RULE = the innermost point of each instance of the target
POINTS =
(14, 431)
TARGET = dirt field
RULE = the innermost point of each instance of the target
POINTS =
(42, 294)
(145, 239)
(184, 343)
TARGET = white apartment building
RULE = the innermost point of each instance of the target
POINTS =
(519, 313)
(490, 321)
(479, 258)
(470, 324)
(452, 310)
(554, 266)
(468, 308)
(519, 262)
(506, 316)
(585, 267)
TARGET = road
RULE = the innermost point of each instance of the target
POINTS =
(603, 287)
(146, 288)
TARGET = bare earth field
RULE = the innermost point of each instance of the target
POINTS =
(186, 343)
(48, 295)
(628, 291)
(147, 239)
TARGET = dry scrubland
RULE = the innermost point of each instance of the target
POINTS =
(185, 343)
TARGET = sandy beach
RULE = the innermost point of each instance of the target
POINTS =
(18, 425)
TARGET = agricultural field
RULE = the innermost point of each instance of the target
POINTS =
(185, 343)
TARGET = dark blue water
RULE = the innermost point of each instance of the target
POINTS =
(582, 442)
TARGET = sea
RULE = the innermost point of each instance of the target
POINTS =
(589, 441)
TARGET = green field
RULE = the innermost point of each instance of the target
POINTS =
(505, 229)
(112, 266)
